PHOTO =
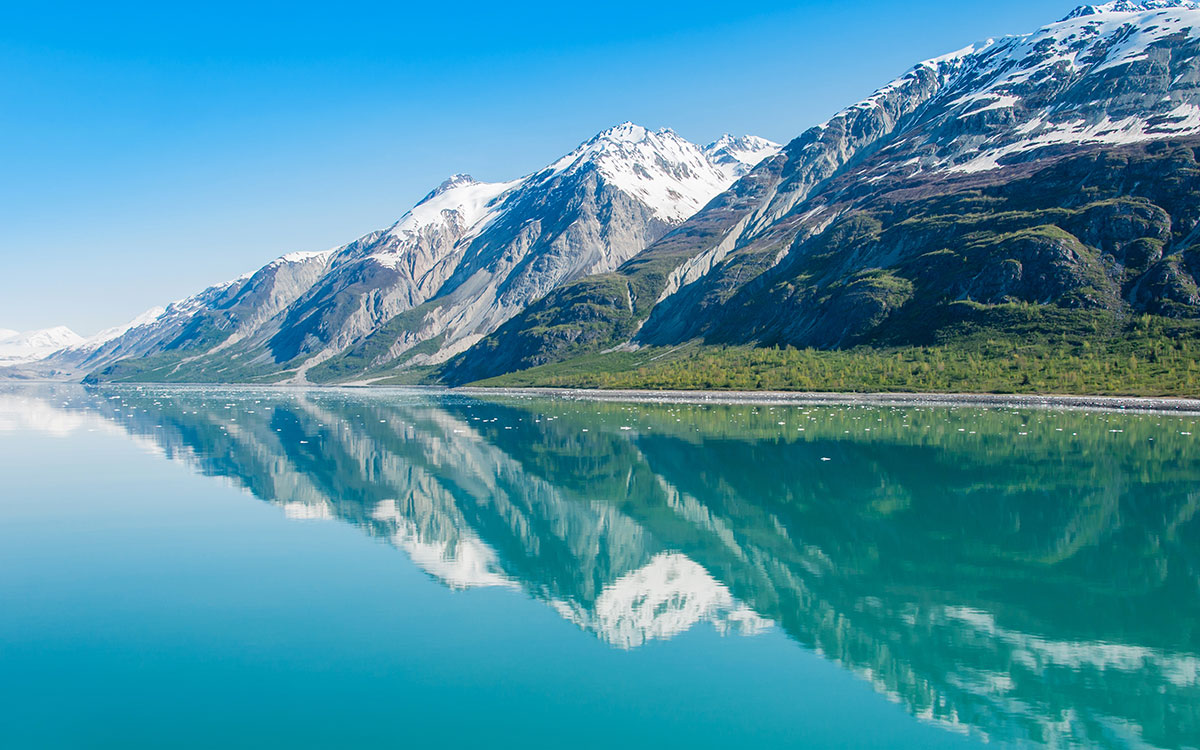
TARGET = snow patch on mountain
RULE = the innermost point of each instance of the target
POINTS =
(1184, 119)
(460, 199)
(737, 155)
(1129, 6)
(458, 209)
(951, 61)
(1088, 43)
(303, 256)
(988, 101)
(672, 176)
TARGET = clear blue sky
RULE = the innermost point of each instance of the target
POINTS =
(150, 150)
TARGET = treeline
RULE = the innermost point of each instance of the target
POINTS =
(1152, 357)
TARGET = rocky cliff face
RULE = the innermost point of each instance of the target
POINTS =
(464, 260)
(819, 245)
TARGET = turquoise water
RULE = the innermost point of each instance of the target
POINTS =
(256, 567)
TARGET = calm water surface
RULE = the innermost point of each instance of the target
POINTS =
(254, 567)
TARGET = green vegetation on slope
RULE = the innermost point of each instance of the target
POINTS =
(1077, 352)
(178, 367)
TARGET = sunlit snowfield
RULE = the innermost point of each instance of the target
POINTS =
(255, 567)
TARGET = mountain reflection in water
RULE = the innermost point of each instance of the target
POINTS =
(1024, 575)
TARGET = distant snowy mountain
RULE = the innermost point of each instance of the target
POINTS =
(32, 346)
(465, 259)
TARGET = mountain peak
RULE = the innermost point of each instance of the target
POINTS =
(451, 182)
(1130, 6)
(725, 141)
(737, 155)
(623, 143)
(626, 132)
(668, 173)
(460, 200)
(58, 332)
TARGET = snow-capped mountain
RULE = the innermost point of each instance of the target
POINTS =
(780, 258)
(1106, 75)
(1113, 73)
(670, 175)
(31, 346)
(465, 259)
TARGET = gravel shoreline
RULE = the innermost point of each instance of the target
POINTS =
(1100, 403)
(1169, 405)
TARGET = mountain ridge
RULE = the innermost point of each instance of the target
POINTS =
(469, 255)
